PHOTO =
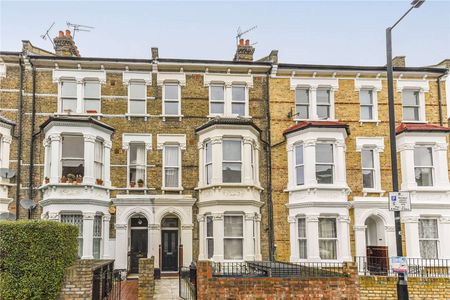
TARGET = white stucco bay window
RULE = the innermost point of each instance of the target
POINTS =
(229, 94)
(314, 97)
(413, 99)
(6, 127)
(136, 145)
(229, 190)
(171, 146)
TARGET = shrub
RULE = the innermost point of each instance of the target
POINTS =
(33, 258)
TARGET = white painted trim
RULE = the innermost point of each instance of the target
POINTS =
(376, 144)
(228, 79)
(179, 77)
(313, 82)
(403, 84)
(368, 83)
(128, 76)
(145, 138)
(179, 139)
(79, 75)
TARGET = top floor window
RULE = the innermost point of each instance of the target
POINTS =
(91, 97)
(323, 103)
(411, 105)
(137, 93)
(324, 163)
(217, 99)
(302, 103)
(68, 96)
(232, 161)
(367, 104)
(238, 100)
(229, 101)
(171, 99)
(72, 156)
(423, 166)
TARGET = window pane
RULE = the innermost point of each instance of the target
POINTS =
(411, 113)
(424, 176)
(217, 92)
(73, 146)
(324, 174)
(302, 96)
(171, 177)
(91, 90)
(217, 108)
(137, 107)
(299, 155)
(238, 93)
(231, 172)
(92, 104)
(328, 249)
(327, 228)
(323, 111)
(324, 153)
(233, 248)
(428, 228)
(300, 173)
(69, 105)
(209, 227)
(366, 113)
(367, 158)
(69, 89)
(301, 228)
(423, 156)
(238, 109)
(137, 91)
(302, 249)
(410, 97)
(171, 156)
(231, 150)
(208, 173)
(366, 96)
(368, 179)
(208, 151)
(210, 248)
(171, 108)
(302, 111)
(233, 226)
(323, 96)
(428, 249)
(171, 91)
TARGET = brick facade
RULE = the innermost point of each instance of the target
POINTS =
(146, 286)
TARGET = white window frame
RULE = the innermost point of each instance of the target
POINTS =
(436, 239)
(208, 238)
(208, 164)
(129, 165)
(61, 98)
(375, 85)
(377, 145)
(234, 237)
(217, 101)
(333, 163)
(137, 82)
(61, 158)
(433, 177)
(245, 102)
(302, 238)
(71, 220)
(335, 239)
(372, 169)
(328, 105)
(420, 85)
(97, 236)
(228, 99)
(99, 99)
(299, 165)
(171, 145)
(102, 162)
(164, 100)
(417, 106)
(241, 162)
(372, 106)
(308, 104)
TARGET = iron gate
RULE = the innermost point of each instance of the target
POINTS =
(106, 283)
(188, 282)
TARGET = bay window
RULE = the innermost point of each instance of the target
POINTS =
(299, 165)
(208, 162)
(423, 166)
(323, 103)
(137, 93)
(72, 156)
(367, 104)
(428, 238)
(136, 163)
(232, 161)
(98, 159)
(209, 237)
(91, 97)
(97, 237)
(238, 100)
(77, 220)
(68, 96)
(217, 99)
(302, 241)
(302, 103)
(411, 105)
(368, 168)
(324, 163)
(171, 166)
(171, 99)
(327, 238)
(233, 237)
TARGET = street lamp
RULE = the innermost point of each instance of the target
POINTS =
(402, 287)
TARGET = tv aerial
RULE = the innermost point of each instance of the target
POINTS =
(7, 216)
(78, 27)
(46, 36)
(241, 33)
(7, 173)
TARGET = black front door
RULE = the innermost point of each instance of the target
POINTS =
(139, 242)
(170, 250)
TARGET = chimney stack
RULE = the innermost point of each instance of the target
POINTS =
(65, 45)
(244, 51)
(399, 61)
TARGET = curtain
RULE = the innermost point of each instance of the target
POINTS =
(428, 235)
(327, 235)
(98, 160)
(233, 248)
(140, 163)
(171, 166)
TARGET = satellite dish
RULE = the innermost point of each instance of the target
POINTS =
(6, 216)
(27, 204)
(7, 173)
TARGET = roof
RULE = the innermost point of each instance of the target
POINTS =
(78, 120)
(7, 121)
(227, 121)
(316, 124)
(420, 127)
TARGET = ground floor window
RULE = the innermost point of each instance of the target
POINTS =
(209, 237)
(77, 220)
(428, 238)
(97, 239)
(302, 238)
(327, 238)
(233, 237)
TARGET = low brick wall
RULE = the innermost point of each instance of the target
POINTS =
(78, 279)
(209, 287)
(384, 287)
(146, 288)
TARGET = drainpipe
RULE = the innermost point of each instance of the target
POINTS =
(33, 136)
(19, 146)
(441, 121)
(269, 174)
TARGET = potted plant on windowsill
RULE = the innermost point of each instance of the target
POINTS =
(99, 181)
(132, 183)
(79, 179)
(70, 178)
(91, 111)
(63, 179)
(140, 183)
(46, 180)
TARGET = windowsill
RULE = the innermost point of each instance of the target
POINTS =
(164, 117)
(172, 189)
(315, 120)
(7, 184)
(417, 122)
(361, 122)
(227, 185)
(317, 187)
(79, 185)
(227, 116)
(373, 191)
(129, 116)
(97, 115)
(427, 189)
(323, 261)
(134, 189)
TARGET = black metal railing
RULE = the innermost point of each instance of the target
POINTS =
(278, 269)
(106, 282)
(187, 282)
(417, 267)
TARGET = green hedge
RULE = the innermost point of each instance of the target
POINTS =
(33, 258)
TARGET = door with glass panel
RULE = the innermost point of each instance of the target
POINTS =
(169, 244)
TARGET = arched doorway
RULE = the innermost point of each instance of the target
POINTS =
(377, 251)
(170, 241)
(375, 232)
(138, 245)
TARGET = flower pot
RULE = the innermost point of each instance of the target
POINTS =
(132, 184)
(91, 111)
(140, 184)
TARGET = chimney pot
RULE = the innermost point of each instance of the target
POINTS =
(241, 42)
(61, 33)
(247, 42)
(67, 33)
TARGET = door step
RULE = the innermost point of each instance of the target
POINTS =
(169, 274)
(132, 276)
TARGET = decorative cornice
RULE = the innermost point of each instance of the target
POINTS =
(292, 219)
(228, 79)
(7, 139)
(137, 76)
(163, 139)
(154, 226)
(368, 83)
(187, 226)
(314, 82)
(359, 228)
(412, 84)
(410, 219)
(89, 138)
(163, 77)
(127, 138)
(121, 226)
(88, 215)
(217, 217)
(312, 218)
(79, 75)
(370, 142)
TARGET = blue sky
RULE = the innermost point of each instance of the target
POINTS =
(323, 32)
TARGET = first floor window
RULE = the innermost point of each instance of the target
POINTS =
(233, 237)
(208, 162)
(238, 100)
(68, 96)
(324, 163)
(428, 238)
(91, 97)
(302, 238)
(217, 99)
(137, 93)
(299, 165)
(136, 163)
(97, 238)
(368, 168)
(232, 161)
(171, 99)
(323, 103)
(209, 237)
(98, 160)
(302, 103)
(423, 166)
(327, 238)
(171, 166)
(77, 220)
(411, 105)
(72, 156)
(366, 98)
